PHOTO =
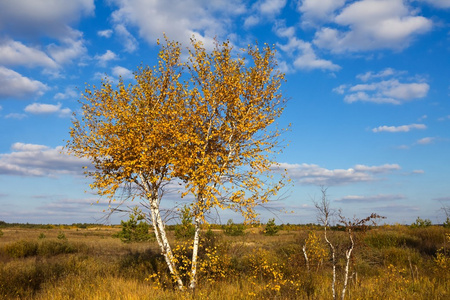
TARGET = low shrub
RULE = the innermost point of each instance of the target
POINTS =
(234, 229)
(387, 239)
(132, 231)
(61, 236)
(186, 229)
(50, 248)
(21, 248)
(420, 223)
(271, 228)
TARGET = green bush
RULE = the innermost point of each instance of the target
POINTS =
(41, 236)
(234, 229)
(1, 233)
(271, 228)
(420, 223)
(132, 231)
(186, 229)
(61, 236)
(447, 223)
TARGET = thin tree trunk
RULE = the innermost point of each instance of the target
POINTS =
(167, 250)
(195, 246)
(333, 257)
(160, 231)
(306, 257)
(348, 254)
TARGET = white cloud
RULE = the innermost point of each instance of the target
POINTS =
(105, 33)
(264, 10)
(127, 39)
(123, 72)
(16, 53)
(373, 24)
(14, 85)
(370, 75)
(304, 57)
(68, 50)
(271, 7)
(251, 21)
(368, 199)
(69, 93)
(31, 18)
(16, 116)
(390, 90)
(402, 128)
(104, 58)
(418, 172)
(39, 160)
(316, 175)
(438, 3)
(315, 12)
(179, 20)
(426, 140)
(444, 118)
(45, 109)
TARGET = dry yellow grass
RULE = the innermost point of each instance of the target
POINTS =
(389, 263)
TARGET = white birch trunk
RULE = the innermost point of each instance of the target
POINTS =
(160, 232)
(333, 257)
(348, 254)
(195, 246)
(306, 257)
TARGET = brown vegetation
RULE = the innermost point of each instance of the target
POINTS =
(388, 262)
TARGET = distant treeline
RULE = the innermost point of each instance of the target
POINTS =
(4, 224)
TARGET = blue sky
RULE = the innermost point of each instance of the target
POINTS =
(367, 81)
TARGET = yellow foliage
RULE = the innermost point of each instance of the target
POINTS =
(315, 249)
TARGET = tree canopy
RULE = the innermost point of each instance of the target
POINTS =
(205, 121)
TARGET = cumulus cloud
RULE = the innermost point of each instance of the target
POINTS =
(107, 56)
(302, 53)
(16, 53)
(14, 85)
(373, 24)
(264, 10)
(389, 90)
(129, 42)
(426, 140)
(125, 73)
(316, 175)
(31, 18)
(39, 160)
(45, 109)
(316, 12)
(369, 199)
(179, 20)
(438, 3)
(105, 33)
(68, 50)
(16, 116)
(402, 128)
(69, 93)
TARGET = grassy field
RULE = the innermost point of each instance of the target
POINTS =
(69, 262)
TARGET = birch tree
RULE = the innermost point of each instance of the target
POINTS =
(130, 135)
(203, 122)
(233, 102)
